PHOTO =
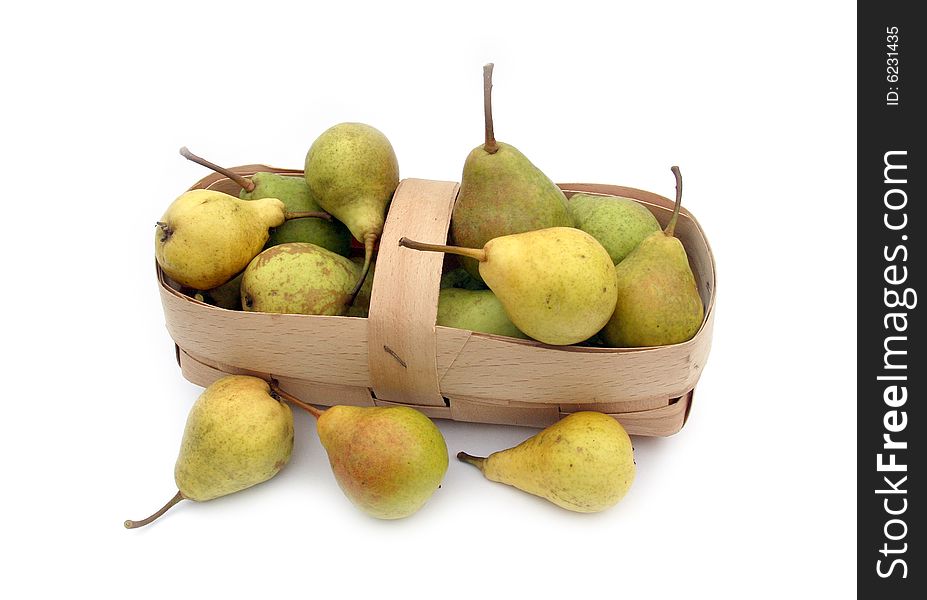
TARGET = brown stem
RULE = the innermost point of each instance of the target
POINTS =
(129, 524)
(294, 400)
(479, 255)
(671, 227)
(369, 240)
(490, 145)
(303, 214)
(166, 231)
(244, 182)
(476, 461)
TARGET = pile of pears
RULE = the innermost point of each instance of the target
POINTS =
(594, 270)
(284, 244)
(388, 461)
(531, 264)
(591, 270)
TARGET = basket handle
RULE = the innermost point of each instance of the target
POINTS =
(401, 342)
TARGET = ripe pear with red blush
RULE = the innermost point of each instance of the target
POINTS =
(387, 460)
(658, 300)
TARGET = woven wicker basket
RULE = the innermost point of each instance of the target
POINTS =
(399, 356)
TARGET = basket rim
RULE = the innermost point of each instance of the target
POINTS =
(650, 199)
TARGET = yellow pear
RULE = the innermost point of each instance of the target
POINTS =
(557, 285)
(237, 435)
(207, 237)
(584, 463)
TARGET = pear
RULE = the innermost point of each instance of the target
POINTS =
(388, 461)
(237, 435)
(352, 171)
(502, 192)
(460, 278)
(619, 224)
(227, 295)
(658, 301)
(476, 310)
(557, 284)
(295, 194)
(207, 237)
(584, 463)
(298, 278)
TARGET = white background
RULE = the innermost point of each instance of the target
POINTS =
(754, 498)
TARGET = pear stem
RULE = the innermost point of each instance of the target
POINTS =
(490, 146)
(671, 227)
(369, 240)
(241, 180)
(304, 214)
(166, 231)
(294, 400)
(479, 255)
(476, 461)
(129, 524)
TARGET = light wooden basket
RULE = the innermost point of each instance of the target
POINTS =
(398, 356)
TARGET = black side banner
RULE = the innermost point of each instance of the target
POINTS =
(891, 367)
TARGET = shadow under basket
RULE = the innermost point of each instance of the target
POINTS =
(398, 356)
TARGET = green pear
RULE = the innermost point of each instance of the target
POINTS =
(352, 171)
(584, 463)
(460, 278)
(207, 237)
(298, 278)
(237, 435)
(387, 460)
(296, 197)
(618, 223)
(658, 301)
(227, 295)
(557, 285)
(502, 192)
(295, 194)
(476, 310)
